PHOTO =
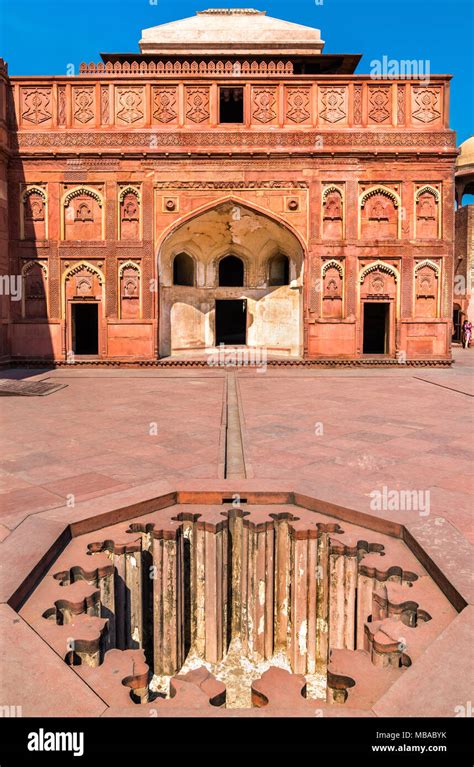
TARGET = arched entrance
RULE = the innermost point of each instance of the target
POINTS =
(378, 308)
(83, 288)
(246, 287)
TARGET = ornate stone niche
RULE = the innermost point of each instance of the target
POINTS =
(378, 281)
(129, 213)
(33, 214)
(83, 281)
(379, 214)
(426, 289)
(129, 282)
(34, 303)
(427, 204)
(333, 290)
(333, 213)
(82, 214)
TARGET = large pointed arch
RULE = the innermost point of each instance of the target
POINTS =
(230, 198)
(210, 235)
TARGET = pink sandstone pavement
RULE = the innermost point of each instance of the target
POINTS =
(343, 434)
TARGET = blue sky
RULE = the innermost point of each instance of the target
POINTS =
(45, 37)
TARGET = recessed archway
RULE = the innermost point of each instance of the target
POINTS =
(239, 254)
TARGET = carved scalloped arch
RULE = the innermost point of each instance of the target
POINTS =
(333, 188)
(428, 262)
(82, 190)
(332, 264)
(128, 190)
(129, 265)
(34, 190)
(428, 188)
(379, 189)
(378, 266)
(30, 264)
(75, 268)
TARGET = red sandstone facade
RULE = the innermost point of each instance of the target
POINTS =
(114, 172)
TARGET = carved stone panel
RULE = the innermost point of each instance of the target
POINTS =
(357, 108)
(165, 105)
(426, 106)
(332, 105)
(380, 105)
(61, 105)
(36, 106)
(298, 105)
(105, 105)
(264, 105)
(129, 105)
(197, 105)
(83, 106)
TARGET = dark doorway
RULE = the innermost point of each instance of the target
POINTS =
(85, 328)
(376, 325)
(231, 105)
(231, 272)
(457, 323)
(231, 322)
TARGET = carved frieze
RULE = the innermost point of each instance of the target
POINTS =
(283, 138)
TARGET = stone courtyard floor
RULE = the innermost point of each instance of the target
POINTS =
(340, 434)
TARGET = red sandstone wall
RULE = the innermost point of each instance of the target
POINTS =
(110, 165)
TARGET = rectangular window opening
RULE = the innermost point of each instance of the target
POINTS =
(231, 105)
